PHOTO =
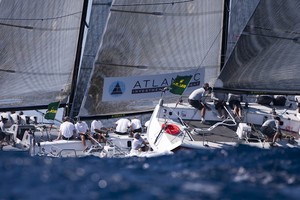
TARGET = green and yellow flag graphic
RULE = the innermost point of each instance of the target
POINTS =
(52, 110)
(180, 84)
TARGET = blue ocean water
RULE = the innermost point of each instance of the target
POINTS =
(235, 173)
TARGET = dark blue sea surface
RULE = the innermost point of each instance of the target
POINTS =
(236, 173)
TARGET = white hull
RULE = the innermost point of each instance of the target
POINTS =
(218, 145)
(116, 146)
(170, 114)
(42, 143)
(255, 114)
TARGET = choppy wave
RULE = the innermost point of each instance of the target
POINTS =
(236, 173)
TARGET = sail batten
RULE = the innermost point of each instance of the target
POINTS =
(266, 57)
(145, 40)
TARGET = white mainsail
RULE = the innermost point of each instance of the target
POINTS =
(147, 40)
(38, 51)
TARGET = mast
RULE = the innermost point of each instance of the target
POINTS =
(78, 58)
(225, 31)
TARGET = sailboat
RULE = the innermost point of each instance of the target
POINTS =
(43, 45)
(142, 49)
(40, 57)
(263, 61)
(39, 51)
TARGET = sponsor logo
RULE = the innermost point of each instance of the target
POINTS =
(150, 86)
(117, 88)
(129, 88)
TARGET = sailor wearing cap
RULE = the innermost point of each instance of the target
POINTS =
(197, 99)
(271, 128)
(139, 143)
(66, 130)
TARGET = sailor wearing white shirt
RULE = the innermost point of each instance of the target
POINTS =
(9, 121)
(272, 129)
(2, 123)
(66, 130)
(3, 135)
(82, 129)
(234, 101)
(22, 119)
(96, 127)
(146, 124)
(139, 144)
(197, 99)
(219, 99)
(15, 117)
(136, 125)
(122, 126)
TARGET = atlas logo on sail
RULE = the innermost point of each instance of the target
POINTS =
(117, 88)
(138, 87)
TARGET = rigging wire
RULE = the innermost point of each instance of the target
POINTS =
(214, 41)
(200, 65)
